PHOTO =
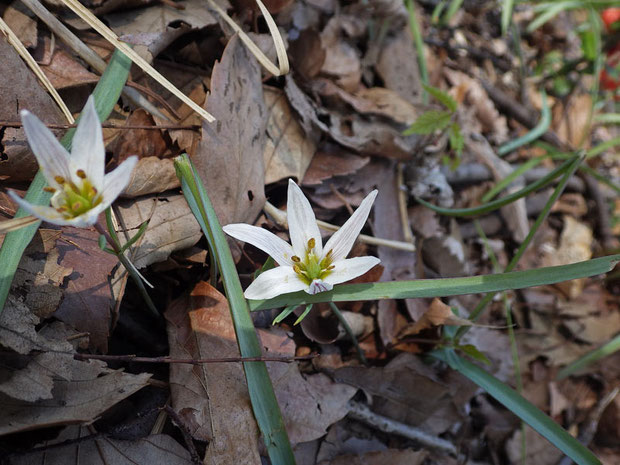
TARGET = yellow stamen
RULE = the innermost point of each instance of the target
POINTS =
(296, 269)
(81, 174)
(311, 243)
(59, 179)
(49, 189)
(295, 258)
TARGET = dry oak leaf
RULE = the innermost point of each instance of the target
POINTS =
(229, 158)
(437, 314)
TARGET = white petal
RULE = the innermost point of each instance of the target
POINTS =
(116, 181)
(268, 242)
(318, 285)
(87, 149)
(48, 214)
(52, 157)
(280, 280)
(301, 221)
(341, 242)
(345, 270)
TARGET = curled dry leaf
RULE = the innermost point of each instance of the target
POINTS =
(172, 226)
(288, 152)
(21, 22)
(437, 314)
(341, 59)
(332, 161)
(307, 54)
(152, 29)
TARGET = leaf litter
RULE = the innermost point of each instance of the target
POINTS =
(334, 125)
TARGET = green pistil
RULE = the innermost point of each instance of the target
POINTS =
(310, 268)
(77, 200)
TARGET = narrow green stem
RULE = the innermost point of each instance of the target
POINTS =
(513, 263)
(349, 331)
(112, 239)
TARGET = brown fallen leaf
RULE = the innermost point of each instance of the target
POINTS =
(538, 450)
(342, 60)
(65, 72)
(307, 53)
(53, 388)
(572, 120)
(397, 66)
(93, 289)
(411, 392)
(332, 161)
(212, 399)
(154, 449)
(20, 21)
(19, 89)
(141, 142)
(288, 152)
(152, 175)
(437, 314)
(230, 156)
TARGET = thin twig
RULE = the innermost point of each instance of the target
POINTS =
(191, 127)
(280, 217)
(189, 361)
(349, 331)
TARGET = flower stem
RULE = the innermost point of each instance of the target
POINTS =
(130, 269)
(349, 331)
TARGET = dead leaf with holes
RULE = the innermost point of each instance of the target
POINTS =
(288, 152)
(230, 155)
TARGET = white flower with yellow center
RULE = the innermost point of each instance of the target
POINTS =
(78, 181)
(306, 265)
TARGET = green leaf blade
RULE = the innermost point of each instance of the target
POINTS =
(429, 122)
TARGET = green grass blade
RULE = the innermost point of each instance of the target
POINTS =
(535, 133)
(591, 357)
(262, 396)
(445, 286)
(521, 407)
(505, 182)
(528, 239)
(502, 201)
(106, 94)
(507, 6)
(419, 44)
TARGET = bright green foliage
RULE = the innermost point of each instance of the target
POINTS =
(429, 122)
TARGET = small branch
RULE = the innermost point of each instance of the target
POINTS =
(189, 361)
(280, 217)
(190, 127)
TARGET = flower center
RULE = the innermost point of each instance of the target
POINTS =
(75, 199)
(310, 267)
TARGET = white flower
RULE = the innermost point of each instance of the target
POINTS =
(81, 188)
(306, 265)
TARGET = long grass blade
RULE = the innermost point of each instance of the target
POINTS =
(521, 407)
(445, 286)
(591, 357)
(502, 201)
(264, 403)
